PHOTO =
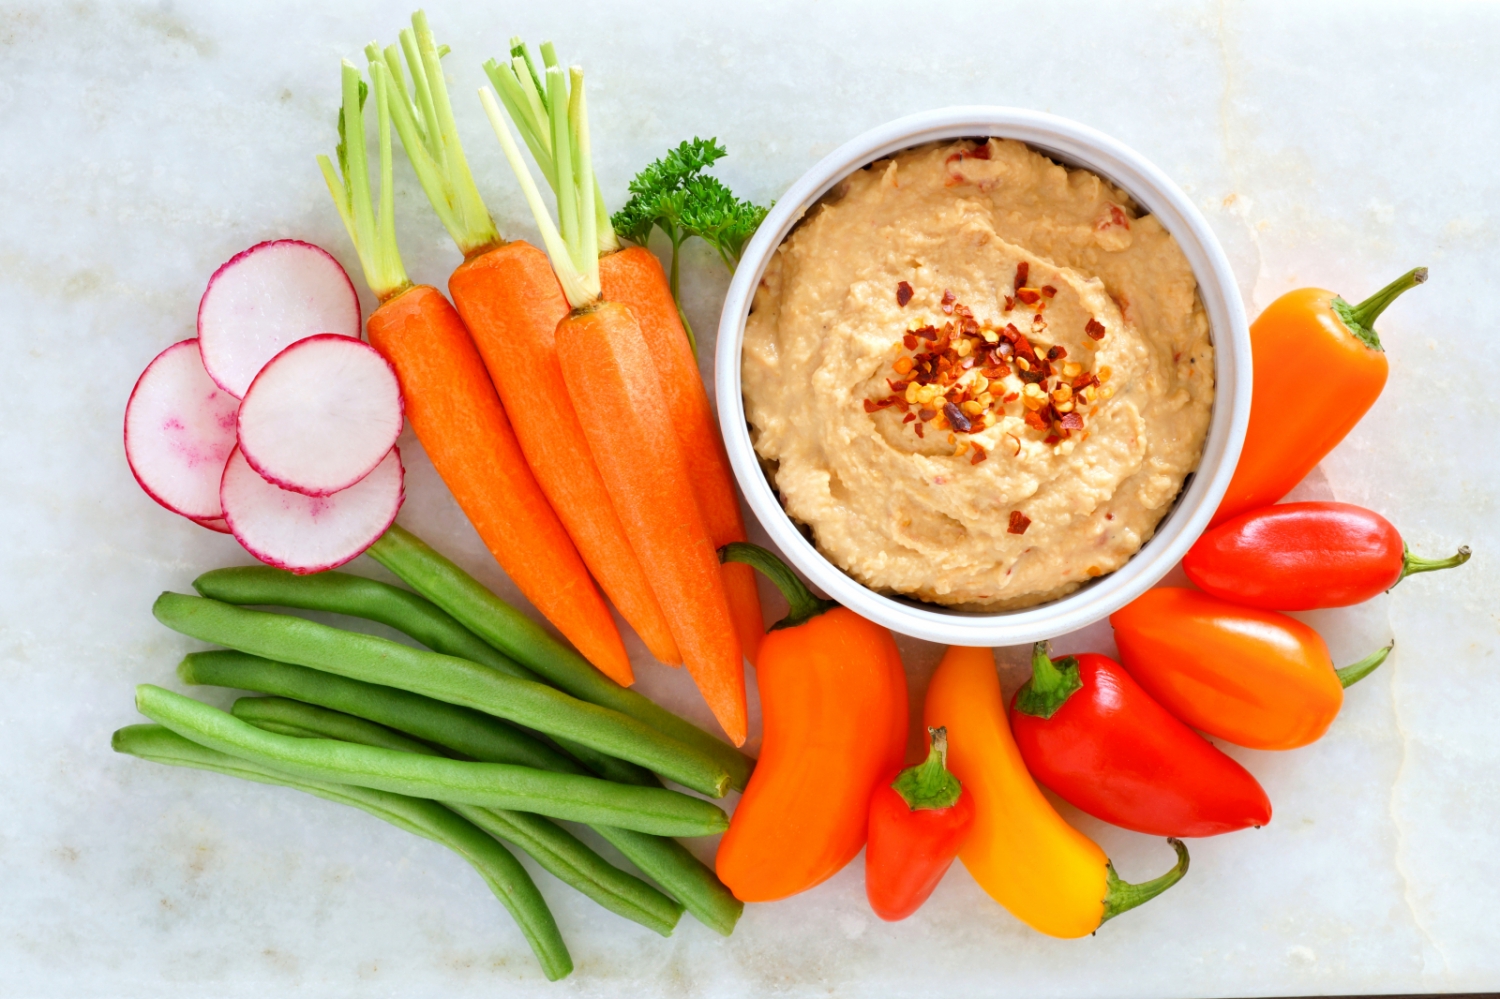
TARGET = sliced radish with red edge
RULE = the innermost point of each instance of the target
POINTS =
(266, 298)
(320, 415)
(218, 524)
(310, 533)
(179, 430)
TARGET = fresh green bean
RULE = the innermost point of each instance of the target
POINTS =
(491, 785)
(407, 612)
(446, 678)
(495, 864)
(521, 638)
(558, 851)
(475, 735)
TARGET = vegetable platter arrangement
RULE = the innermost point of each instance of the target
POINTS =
(556, 391)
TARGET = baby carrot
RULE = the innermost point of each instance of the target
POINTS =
(609, 370)
(511, 303)
(453, 407)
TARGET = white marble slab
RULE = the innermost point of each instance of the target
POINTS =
(142, 144)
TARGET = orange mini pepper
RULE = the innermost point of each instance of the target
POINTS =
(1256, 678)
(1318, 367)
(834, 717)
(1048, 874)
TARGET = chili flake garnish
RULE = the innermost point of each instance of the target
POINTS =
(948, 299)
(1018, 522)
(1095, 329)
(1023, 270)
(903, 294)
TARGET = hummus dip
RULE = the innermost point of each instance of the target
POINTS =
(977, 376)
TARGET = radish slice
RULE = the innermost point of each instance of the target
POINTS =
(266, 298)
(320, 415)
(215, 524)
(179, 430)
(310, 533)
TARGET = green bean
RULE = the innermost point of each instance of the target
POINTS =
(480, 737)
(446, 678)
(407, 612)
(491, 785)
(521, 638)
(558, 851)
(500, 870)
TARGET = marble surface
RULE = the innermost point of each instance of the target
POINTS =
(143, 144)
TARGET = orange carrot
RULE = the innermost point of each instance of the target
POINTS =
(453, 407)
(605, 360)
(634, 277)
(511, 303)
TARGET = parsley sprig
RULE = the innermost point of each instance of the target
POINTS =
(674, 194)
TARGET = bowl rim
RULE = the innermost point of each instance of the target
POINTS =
(1075, 145)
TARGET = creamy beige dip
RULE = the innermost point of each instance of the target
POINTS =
(898, 383)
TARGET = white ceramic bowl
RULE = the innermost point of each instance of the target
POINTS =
(1075, 145)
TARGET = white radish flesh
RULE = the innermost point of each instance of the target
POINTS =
(310, 533)
(267, 298)
(179, 430)
(320, 415)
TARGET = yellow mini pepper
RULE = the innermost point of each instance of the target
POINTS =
(1048, 874)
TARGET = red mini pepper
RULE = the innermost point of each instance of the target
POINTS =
(1092, 734)
(1301, 556)
(919, 817)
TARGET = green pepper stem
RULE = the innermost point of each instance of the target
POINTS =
(1352, 674)
(804, 605)
(1413, 564)
(1051, 684)
(1123, 896)
(1361, 318)
(929, 784)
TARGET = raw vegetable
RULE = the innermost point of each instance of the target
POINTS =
(501, 871)
(1091, 734)
(608, 369)
(918, 820)
(266, 298)
(1319, 367)
(320, 415)
(1048, 874)
(1301, 556)
(415, 616)
(446, 678)
(634, 278)
(179, 430)
(1252, 677)
(507, 629)
(216, 524)
(555, 850)
(511, 303)
(491, 785)
(453, 407)
(475, 735)
(309, 533)
(833, 705)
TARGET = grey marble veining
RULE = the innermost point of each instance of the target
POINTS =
(142, 144)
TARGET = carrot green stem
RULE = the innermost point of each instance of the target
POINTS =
(1413, 564)
(1122, 896)
(1051, 683)
(929, 784)
(373, 233)
(1361, 318)
(1352, 674)
(804, 604)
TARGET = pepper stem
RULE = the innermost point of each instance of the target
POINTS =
(929, 784)
(1122, 896)
(1352, 674)
(1361, 318)
(804, 605)
(1413, 564)
(1051, 684)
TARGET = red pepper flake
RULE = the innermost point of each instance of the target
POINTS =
(897, 386)
(918, 428)
(1036, 420)
(1018, 522)
(979, 454)
(1084, 380)
(1023, 270)
(872, 405)
(1113, 215)
(1011, 333)
(981, 151)
(1048, 290)
(1052, 439)
(1024, 348)
(926, 414)
(957, 417)
(1057, 353)
(1095, 329)
(903, 294)
(1029, 296)
(1071, 421)
(909, 417)
(1010, 303)
(909, 341)
(927, 333)
(1012, 397)
(948, 299)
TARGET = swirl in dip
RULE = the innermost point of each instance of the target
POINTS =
(979, 377)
